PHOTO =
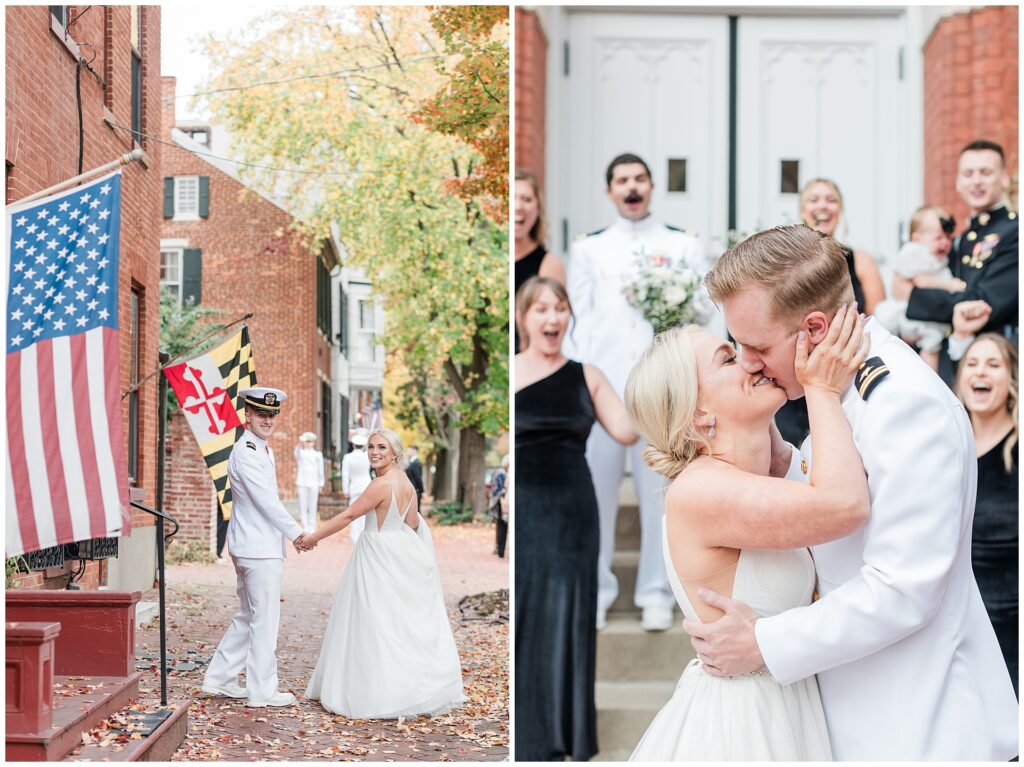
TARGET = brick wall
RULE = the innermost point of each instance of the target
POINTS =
(42, 149)
(187, 487)
(531, 62)
(970, 92)
(253, 262)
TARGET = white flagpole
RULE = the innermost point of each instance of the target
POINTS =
(132, 156)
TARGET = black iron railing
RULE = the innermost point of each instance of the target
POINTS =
(161, 545)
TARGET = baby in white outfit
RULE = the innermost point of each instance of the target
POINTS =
(925, 259)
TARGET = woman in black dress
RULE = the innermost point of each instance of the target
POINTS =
(557, 401)
(987, 384)
(532, 257)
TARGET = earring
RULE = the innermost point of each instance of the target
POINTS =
(711, 430)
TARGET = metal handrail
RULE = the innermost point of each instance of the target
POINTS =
(160, 517)
(156, 513)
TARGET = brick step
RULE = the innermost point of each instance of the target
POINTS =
(79, 704)
(161, 732)
(624, 712)
(625, 652)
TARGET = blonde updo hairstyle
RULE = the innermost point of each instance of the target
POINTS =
(393, 440)
(662, 399)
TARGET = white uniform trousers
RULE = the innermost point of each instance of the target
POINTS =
(251, 639)
(308, 497)
(355, 527)
(607, 460)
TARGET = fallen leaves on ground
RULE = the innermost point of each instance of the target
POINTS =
(225, 729)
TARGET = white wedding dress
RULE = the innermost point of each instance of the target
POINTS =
(751, 717)
(388, 649)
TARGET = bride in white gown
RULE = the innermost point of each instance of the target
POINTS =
(388, 649)
(731, 527)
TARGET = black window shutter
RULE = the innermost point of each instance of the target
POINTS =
(169, 197)
(192, 276)
(204, 197)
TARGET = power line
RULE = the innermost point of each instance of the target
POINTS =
(338, 73)
(270, 167)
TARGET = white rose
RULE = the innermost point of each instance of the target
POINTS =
(675, 295)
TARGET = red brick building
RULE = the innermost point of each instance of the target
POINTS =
(531, 58)
(118, 51)
(971, 80)
(224, 245)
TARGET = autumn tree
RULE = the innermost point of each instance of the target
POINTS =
(342, 109)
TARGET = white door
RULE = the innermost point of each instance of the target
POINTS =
(826, 93)
(655, 85)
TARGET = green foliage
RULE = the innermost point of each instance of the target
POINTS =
(180, 327)
(451, 513)
(15, 565)
(438, 259)
(473, 104)
(179, 552)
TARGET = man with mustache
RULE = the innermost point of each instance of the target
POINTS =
(612, 335)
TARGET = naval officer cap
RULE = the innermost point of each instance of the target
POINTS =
(263, 398)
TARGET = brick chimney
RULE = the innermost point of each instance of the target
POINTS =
(168, 90)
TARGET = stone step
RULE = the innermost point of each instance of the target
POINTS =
(625, 652)
(79, 704)
(627, 528)
(624, 566)
(158, 733)
(624, 712)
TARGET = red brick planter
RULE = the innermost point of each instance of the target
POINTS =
(97, 628)
(29, 671)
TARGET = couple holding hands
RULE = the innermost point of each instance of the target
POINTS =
(389, 605)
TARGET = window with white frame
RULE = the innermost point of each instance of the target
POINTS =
(170, 269)
(186, 198)
(366, 315)
(367, 331)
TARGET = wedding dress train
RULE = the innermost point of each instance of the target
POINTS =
(388, 649)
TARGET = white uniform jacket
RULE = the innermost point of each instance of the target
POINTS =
(260, 526)
(608, 332)
(907, 661)
(309, 468)
(355, 473)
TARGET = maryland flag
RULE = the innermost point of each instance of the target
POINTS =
(207, 389)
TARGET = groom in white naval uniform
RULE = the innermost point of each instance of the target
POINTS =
(908, 664)
(259, 531)
(612, 335)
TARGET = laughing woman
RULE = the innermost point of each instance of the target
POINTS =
(987, 384)
(557, 401)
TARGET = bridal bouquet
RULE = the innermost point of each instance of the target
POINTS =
(666, 293)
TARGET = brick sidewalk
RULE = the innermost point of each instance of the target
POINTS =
(201, 600)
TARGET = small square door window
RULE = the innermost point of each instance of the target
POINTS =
(790, 177)
(677, 175)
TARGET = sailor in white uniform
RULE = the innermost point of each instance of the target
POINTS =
(613, 335)
(309, 478)
(355, 477)
(259, 532)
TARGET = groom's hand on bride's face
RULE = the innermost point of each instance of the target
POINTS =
(727, 647)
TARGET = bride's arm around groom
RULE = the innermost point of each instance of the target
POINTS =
(906, 658)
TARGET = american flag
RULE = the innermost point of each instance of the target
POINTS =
(67, 478)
